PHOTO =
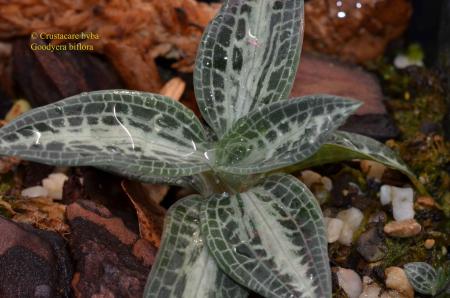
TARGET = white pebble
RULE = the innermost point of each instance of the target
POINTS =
(352, 219)
(403, 204)
(352, 216)
(34, 192)
(346, 236)
(402, 200)
(385, 195)
(350, 282)
(334, 227)
(54, 184)
(370, 288)
(327, 183)
(309, 178)
(403, 61)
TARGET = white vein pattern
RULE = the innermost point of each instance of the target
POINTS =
(342, 145)
(422, 276)
(123, 131)
(282, 133)
(248, 57)
(270, 239)
(184, 267)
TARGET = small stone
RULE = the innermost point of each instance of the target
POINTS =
(403, 61)
(396, 280)
(391, 294)
(309, 178)
(371, 245)
(334, 227)
(352, 218)
(425, 201)
(346, 236)
(402, 201)
(319, 186)
(370, 288)
(320, 193)
(403, 229)
(327, 183)
(34, 192)
(429, 243)
(403, 205)
(385, 195)
(54, 184)
(350, 282)
(372, 169)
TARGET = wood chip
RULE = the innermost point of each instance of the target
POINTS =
(150, 214)
(174, 88)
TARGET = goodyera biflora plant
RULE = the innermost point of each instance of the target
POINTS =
(252, 226)
(425, 279)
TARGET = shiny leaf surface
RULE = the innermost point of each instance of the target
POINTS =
(270, 239)
(248, 57)
(281, 134)
(138, 134)
(184, 267)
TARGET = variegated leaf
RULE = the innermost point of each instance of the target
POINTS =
(131, 132)
(342, 146)
(248, 57)
(270, 239)
(282, 133)
(184, 268)
(184, 181)
(422, 277)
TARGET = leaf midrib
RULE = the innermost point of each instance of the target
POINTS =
(253, 196)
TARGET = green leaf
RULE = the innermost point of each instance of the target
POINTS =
(270, 239)
(282, 133)
(184, 268)
(133, 133)
(342, 146)
(248, 57)
(422, 277)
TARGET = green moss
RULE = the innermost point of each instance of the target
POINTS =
(415, 52)
(446, 207)
(402, 251)
(417, 103)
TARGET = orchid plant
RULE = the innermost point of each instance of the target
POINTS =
(252, 227)
(425, 279)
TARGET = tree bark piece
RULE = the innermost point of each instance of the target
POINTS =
(33, 263)
(132, 34)
(111, 260)
(324, 75)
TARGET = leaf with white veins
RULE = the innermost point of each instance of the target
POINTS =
(342, 146)
(138, 133)
(423, 277)
(248, 57)
(270, 239)
(281, 134)
(184, 268)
